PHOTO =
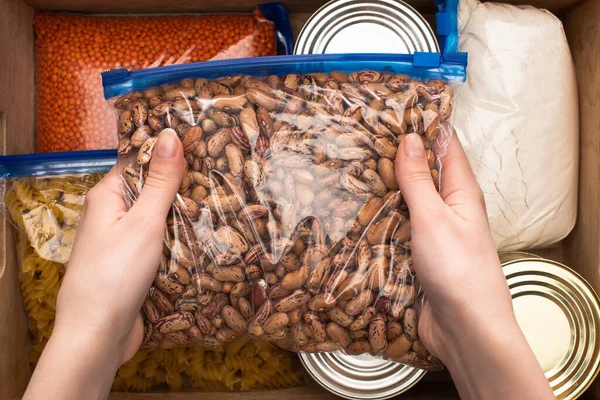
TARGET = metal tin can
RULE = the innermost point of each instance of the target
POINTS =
(364, 26)
(559, 313)
(360, 377)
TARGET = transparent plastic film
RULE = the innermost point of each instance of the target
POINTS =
(45, 212)
(289, 226)
(43, 195)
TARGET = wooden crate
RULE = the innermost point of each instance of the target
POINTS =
(580, 250)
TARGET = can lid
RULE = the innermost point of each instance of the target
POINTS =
(559, 314)
(362, 26)
(360, 377)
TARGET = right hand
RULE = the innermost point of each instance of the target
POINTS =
(467, 319)
(455, 257)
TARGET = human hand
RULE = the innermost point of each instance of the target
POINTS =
(466, 319)
(116, 254)
(114, 260)
(455, 257)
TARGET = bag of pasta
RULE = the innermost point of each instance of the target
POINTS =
(43, 197)
(289, 226)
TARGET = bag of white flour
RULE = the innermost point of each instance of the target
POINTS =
(518, 120)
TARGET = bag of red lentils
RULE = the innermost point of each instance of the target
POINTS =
(72, 50)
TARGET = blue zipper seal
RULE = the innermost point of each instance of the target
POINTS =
(450, 67)
(52, 164)
(446, 22)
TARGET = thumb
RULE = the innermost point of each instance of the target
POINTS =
(414, 177)
(164, 177)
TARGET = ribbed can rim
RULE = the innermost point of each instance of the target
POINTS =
(400, 19)
(531, 275)
(360, 377)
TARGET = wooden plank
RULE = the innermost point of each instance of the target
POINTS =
(17, 77)
(438, 391)
(202, 6)
(582, 247)
(297, 21)
(308, 392)
(16, 136)
(580, 250)
(157, 6)
(160, 6)
(554, 253)
(14, 336)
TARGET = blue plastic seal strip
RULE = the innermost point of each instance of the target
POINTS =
(447, 25)
(276, 13)
(426, 60)
(52, 164)
(121, 81)
(443, 24)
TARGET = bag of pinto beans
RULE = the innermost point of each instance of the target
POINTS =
(289, 226)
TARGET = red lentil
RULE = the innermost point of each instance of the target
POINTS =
(72, 50)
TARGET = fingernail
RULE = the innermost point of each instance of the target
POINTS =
(413, 146)
(166, 147)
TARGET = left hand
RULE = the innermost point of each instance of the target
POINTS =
(115, 257)
(117, 252)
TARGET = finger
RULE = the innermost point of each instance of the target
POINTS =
(163, 181)
(459, 188)
(457, 174)
(105, 200)
(414, 178)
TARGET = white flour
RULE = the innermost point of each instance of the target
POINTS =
(518, 119)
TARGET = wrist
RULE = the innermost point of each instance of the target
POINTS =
(87, 367)
(93, 348)
(490, 361)
(474, 329)
(478, 340)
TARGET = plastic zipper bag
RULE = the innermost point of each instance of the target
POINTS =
(289, 226)
(72, 50)
(43, 195)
